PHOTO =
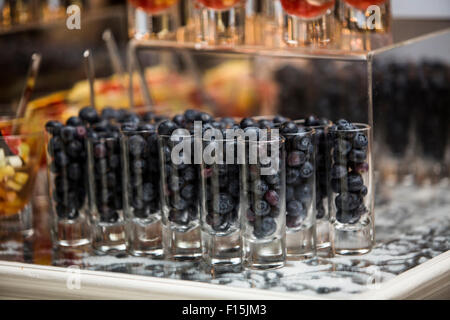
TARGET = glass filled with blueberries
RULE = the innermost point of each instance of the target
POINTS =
(220, 200)
(320, 125)
(180, 189)
(106, 187)
(140, 156)
(351, 184)
(66, 159)
(262, 180)
(300, 190)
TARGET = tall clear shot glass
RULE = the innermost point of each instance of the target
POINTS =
(220, 22)
(300, 193)
(309, 22)
(263, 202)
(67, 183)
(220, 200)
(106, 190)
(180, 196)
(323, 226)
(351, 183)
(140, 157)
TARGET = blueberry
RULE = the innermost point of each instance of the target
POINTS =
(265, 227)
(188, 191)
(89, 114)
(273, 179)
(141, 213)
(288, 127)
(175, 183)
(68, 133)
(349, 217)
(191, 115)
(338, 172)
(357, 155)
(74, 121)
(61, 159)
(292, 175)
(55, 144)
(306, 170)
(179, 203)
(99, 151)
(295, 208)
(260, 187)
(361, 167)
(272, 197)
(146, 127)
(166, 127)
(179, 120)
(279, 119)
(293, 221)
(247, 122)
(74, 149)
(189, 174)
(363, 191)
(296, 158)
(114, 161)
(265, 124)
(81, 132)
(138, 166)
(303, 193)
(53, 127)
(360, 140)
(223, 203)
(109, 113)
(204, 117)
(261, 207)
(347, 201)
(312, 121)
(355, 182)
(137, 144)
(302, 143)
(129, 127)
(343, 124)
(74, 171)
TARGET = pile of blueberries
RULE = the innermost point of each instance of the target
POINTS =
(348, 151)
(67, 163)
(321, 152)
(67, 148)
(263, 191)
(299, 172)
(142, 161)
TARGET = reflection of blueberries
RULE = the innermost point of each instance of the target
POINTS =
(188, 191)
(137, 144)
(338, 172)
(342, 146)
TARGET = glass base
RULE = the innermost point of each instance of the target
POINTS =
(300, 244)
(145, 237)
(264, 255)
(322, 234)
(72, 233)
(304, 32)
(110, 238)
(220, 27)
(352, 239)
(182, 245)
(18, 223)
(221, 249)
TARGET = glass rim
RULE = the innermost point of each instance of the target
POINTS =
(360, 127)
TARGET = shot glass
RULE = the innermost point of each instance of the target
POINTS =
(140, 157)
(220, 22)
(308, 22)
(106, 188)
(351, 184)
(323, 226)
(263, 202)
(179, 197)
(153, 19)
(67, 182)
(220, 200)
(300, 194)
(366, 24)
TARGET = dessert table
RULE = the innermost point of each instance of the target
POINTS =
(410, 261)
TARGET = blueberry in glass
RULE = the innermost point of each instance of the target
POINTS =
(179, 190)
(300, 181)
(66, 158)
(263, 198)
(350, 181)
(106, 187)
